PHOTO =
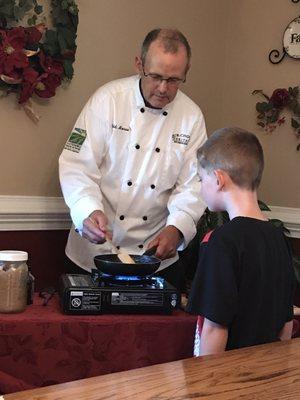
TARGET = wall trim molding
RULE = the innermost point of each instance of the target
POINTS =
(23, 213)
(33, 213)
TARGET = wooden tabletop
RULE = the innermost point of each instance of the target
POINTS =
(270, 371)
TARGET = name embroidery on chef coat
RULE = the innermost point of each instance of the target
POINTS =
(121, 128)
(76, 140)
(181, 138)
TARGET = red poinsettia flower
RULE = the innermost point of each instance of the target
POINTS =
(50, 65)
(30, 75)
(68, 54)
(13, 78)
(12, 56)
(30, 80)
(280, 98)
(34, 33)
(43, 85)
(47, 86)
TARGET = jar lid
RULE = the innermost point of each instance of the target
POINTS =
(13, 255)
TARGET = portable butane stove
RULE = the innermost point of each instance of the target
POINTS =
(99, 293)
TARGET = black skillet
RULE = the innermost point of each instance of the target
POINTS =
(144, 264)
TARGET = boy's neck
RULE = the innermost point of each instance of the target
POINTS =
(243, 203)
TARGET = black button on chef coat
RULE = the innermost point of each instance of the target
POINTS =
(129, 183)
(152, 186)
(165, 113)
(142, 110)
(141, 246)
(122, 217)
(157, 149)
(137, 146)
(145, 217)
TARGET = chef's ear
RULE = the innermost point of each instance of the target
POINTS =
(187, 68)
(138, 65)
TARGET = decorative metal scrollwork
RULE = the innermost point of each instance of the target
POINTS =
(275, 57)
(291, 42)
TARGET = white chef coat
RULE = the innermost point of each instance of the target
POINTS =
(136, 164)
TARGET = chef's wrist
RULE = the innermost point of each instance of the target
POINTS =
(178, 231)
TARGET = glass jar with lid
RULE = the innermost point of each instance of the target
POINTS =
(13, 281)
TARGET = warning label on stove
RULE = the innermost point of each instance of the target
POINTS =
(85, 300)
(136, 298)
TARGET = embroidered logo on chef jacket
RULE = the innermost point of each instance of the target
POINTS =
(76, 140)
(181, 138)
(121, 128)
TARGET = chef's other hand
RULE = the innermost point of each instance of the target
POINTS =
(167, 242)
(95, 227)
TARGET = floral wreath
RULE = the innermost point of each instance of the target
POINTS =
(35, 60)
(270, 111)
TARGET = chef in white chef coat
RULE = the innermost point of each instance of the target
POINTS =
(129, 170)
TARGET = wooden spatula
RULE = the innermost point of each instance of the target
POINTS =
(124, 257)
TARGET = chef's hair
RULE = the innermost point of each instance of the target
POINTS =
(170, 38)
(237, 152)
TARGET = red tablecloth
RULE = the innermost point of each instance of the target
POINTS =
(42, 346)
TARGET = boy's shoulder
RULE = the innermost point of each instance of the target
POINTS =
(240, 227)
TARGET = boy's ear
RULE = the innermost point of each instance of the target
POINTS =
(221, 178)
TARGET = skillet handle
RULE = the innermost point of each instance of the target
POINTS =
(150, 252)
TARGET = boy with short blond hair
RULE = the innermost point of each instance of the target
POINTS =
(244, 284)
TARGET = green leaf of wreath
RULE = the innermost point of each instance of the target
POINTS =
(7, 10)
(295, 107)
(38, 9)
(263, 206)
(51, 45)
(294, 92)
(68, 68)
(295, 124)
(274, 115)
(66, 38)
(263, 107)
(32, 21)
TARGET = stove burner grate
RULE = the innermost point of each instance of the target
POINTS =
(127, 280)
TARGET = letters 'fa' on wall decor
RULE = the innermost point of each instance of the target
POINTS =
(291, 42)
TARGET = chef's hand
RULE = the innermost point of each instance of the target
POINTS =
(95, 227)
(166, 242)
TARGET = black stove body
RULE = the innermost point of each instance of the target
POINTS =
(103, 294)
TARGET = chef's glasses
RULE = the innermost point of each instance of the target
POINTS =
(156, 78)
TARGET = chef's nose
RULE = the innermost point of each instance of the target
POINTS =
(163, 85)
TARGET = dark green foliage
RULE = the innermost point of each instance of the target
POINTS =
(62, 41)
(269, 111)
(68, 68)
(295, 124)
(263, 206)
(297, 267)
(59, 42)
(210, 221)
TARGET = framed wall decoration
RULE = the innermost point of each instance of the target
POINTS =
(291, 42)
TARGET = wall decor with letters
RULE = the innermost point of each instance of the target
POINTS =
(291, 42)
